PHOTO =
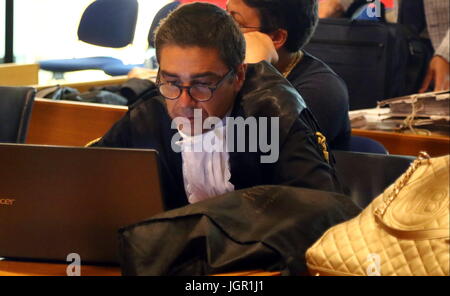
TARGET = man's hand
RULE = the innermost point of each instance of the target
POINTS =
(259, 47)
(438, 71)
(330, 8)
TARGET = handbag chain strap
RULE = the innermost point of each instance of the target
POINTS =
(398, 186)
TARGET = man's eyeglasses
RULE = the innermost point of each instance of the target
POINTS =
(198, 92)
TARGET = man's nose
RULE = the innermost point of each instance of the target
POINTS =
(185, 99)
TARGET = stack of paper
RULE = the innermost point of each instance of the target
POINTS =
(431, 104)
(418, 113)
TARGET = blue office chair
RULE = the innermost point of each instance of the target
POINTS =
(16, 104)
(121, 69)
(117, 69)
(107, 23)
(367, 145)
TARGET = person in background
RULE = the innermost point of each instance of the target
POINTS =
(428, 18)
(201, 76)
(150, 61)
(276, 31)
(220, 3)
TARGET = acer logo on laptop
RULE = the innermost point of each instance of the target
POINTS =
(7, 201)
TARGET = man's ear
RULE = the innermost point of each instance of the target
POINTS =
(279, 38)
(241, 70)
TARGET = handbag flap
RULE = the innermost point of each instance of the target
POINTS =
(404, 231)
(421, 207)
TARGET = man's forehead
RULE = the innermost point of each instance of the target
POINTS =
(191, 61)
(208, 74)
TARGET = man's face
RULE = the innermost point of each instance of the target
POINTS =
(245, 16)
(187, 66)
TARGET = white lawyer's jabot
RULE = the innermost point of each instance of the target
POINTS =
(206, 168)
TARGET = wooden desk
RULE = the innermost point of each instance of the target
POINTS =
(408, 144)
(18, 74)
(85, 86)
(70, 123)
(19, 268)
(75, 124)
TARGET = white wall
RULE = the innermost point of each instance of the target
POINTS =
(2, 28)
(47, 29)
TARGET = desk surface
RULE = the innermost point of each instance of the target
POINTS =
(408, 144)
(19, 268)
(18, 74)
(69, 123)
(85, 86)
(75, 124)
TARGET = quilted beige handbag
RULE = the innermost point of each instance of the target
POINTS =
(404, 231)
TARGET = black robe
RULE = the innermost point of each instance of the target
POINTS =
(265, 93)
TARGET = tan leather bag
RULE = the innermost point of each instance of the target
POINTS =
(404, 231)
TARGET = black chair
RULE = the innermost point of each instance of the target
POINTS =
(366, 175)
(16, 104)
(366, 145)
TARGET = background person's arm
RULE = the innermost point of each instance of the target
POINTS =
(259, 47)
(439, 68)
(333, 8)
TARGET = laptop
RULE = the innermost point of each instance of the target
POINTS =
(55, 201)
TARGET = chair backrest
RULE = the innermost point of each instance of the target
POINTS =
(160, 15)
(168, 8)
(109, 23)
(16, 104)
(367, 145)
(366, 175)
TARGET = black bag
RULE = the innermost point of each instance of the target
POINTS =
(124, 94)
(70, 94)
(263, 227)
(377, 60)
(133, 89)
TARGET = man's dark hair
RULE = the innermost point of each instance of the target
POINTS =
(203, 25)
(298, 17)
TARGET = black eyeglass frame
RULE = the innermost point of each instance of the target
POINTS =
(212, 89)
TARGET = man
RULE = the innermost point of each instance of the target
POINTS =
(427, 17)
(202, 76)
(276, 31)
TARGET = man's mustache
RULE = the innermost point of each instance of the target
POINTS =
(188, 112)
